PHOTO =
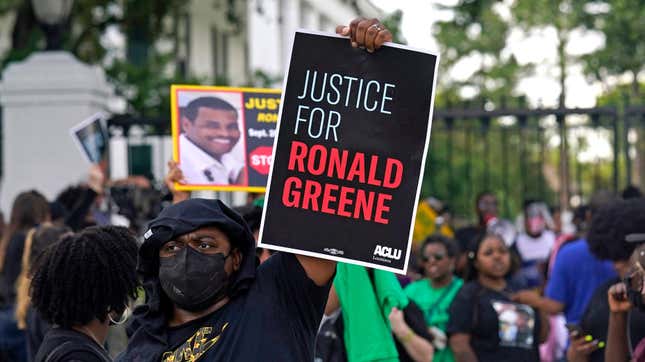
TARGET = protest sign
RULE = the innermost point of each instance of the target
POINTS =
(348, 159)
(91, 137)
(223, 137)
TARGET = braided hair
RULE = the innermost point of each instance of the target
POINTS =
(85, 276)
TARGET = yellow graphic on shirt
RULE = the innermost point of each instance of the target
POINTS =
(194, 347)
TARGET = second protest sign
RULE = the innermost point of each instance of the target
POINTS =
(223, 136)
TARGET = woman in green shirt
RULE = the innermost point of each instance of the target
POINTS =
(435, 292)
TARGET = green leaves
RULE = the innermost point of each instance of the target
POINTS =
(143, 79)
(477, 34)
(623, 28)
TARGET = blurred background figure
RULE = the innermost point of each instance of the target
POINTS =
(29, 210)
(436, 291)
(608, 240)
(485, 323)
(535, 242)
(38, 239)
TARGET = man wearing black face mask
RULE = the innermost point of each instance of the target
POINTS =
(205, 299)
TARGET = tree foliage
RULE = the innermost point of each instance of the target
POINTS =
(622, 25)
(143, 77)
(392, 21)
(477, 32)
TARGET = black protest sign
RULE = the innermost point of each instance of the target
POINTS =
(352, 138)
(223, 136)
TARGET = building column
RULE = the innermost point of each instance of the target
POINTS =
(42, 97)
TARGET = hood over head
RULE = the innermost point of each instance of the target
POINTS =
(185, 217)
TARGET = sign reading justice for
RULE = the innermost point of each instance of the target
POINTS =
(350, 149)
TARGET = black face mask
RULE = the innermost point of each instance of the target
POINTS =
(192, 280)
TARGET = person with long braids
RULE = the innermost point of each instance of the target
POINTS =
(81, 284)
(38, 239)
(29, 209)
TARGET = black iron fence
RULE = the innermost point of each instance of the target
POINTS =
(560, 156)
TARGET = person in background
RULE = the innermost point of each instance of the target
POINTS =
(535, 243)
(624, 297)
(607, 240)
(73, 205)
(485, 209)
(435, 292)
(38, 239)
(487, 220)
(490, 319)
(330, 342)
(554, 349)
(80, 285)
(380, 323)
(631, 192)
(29, 209)
(577, 272)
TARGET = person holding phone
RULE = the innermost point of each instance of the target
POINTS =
(625, 297)
(606, 238)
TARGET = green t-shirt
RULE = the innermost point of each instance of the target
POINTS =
(426, 297)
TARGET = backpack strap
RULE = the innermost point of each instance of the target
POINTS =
(435, 305)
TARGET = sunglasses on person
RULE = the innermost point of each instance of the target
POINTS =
(435, 256)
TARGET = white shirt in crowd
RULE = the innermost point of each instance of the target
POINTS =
(199, 168)
(538, 249)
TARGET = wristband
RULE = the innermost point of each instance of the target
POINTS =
(408, 337)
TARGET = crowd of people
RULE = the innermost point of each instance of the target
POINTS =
(193, 286)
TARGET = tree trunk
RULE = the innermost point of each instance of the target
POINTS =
(25, 23)
(564, 148)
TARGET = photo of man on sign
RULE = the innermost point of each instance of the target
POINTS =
(211, 146)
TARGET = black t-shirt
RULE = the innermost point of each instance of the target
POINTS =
(499, 329)
(66, 345)
(276, 320)
(595, 320)
(35, 333)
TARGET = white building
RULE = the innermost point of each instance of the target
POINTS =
(261, 38)
(217, 43)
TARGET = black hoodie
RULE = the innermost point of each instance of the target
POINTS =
(273, 312)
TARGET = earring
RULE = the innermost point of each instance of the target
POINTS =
(124, 317)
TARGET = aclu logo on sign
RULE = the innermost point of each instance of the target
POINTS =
(386, 254)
